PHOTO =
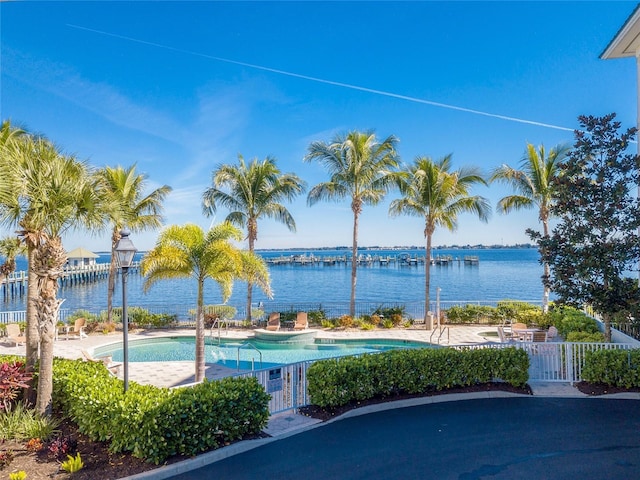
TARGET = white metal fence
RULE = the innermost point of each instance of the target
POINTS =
(548, 361)
(287, 384)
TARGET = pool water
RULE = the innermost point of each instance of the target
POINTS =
(248, 354)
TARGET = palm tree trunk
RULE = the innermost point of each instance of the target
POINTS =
(31, 331)
(249, 284)
(49, 260)
(546, 272)
(199, 376)
(427, 279)
(354, 266)
(111, 287)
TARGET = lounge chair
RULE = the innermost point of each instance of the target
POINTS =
(552, 334)
(505, 337)
(14, 335)
(302, 322)
(273, 323)
(108, 362)
(78, 329)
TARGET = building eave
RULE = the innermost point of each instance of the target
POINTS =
(626, 42)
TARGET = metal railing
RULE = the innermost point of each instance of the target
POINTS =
(548, 361)
(187, 317)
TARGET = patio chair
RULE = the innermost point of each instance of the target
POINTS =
(540, 336)
(302, 322)
(516, 330)
(552, 334)
(113, 367)
(78, 329)
(14, 335)
(273, 323)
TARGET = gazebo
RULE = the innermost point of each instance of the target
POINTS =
(81, 257)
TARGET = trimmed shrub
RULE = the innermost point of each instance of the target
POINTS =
(620, 368)
(570, 319)
(340, 381)
(155, 423)
(597, 337)
(471, 314)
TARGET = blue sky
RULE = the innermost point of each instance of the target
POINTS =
(181, 87)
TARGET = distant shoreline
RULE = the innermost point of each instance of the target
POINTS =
(396, 247)
(405, 247)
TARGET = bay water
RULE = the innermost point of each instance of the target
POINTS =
(501, 273)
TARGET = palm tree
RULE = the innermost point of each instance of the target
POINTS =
(533, 184)
(10, 248)
(438, 195)
(188, 252)
(128, 207)
(14, 146)
(251, 192)
(52, 194)
(360, 168)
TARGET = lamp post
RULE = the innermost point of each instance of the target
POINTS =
(125, 251)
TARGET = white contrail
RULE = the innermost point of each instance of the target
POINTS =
(328, 82)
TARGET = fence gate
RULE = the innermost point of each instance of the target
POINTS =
(287, 385)
(548, 361)
(561, 362)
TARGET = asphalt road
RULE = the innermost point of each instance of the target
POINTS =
(502, 438)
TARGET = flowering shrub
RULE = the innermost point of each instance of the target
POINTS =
(6, 458)
(34, 445)
(346, 321)
(13, 378)
(62, 445)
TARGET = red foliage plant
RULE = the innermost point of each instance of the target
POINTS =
(13, 378)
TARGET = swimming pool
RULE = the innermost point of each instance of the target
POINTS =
(251, 353)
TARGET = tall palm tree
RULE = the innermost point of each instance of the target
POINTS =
(533, 184)
(128, 207)
(361, 168)
(14, 146)
(251, 192)
(438, 195)
(53, 193)
(188, 252)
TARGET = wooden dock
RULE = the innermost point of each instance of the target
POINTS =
(16, 283)
(367, 259)
(471, 260)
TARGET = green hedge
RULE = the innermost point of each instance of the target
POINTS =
(155, 423)
(570, 319)
(620, 368)
(336, 382)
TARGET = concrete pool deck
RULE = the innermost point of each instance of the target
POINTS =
(171, 374)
